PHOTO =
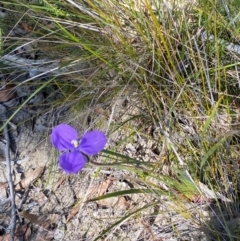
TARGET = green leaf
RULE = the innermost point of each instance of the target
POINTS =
(127, 192)
(211, 151)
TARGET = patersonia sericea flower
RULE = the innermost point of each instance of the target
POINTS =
(65, 139)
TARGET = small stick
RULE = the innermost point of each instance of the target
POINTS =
(10, 183)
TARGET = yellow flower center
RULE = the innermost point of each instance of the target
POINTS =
(75, 143)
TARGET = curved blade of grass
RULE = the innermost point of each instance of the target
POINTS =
(127, 158)
(182, 185)
(126, 192)
(211, 151)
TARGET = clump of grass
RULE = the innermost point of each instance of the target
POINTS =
(172, 62)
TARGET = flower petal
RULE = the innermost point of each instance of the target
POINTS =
(92, 142)
(72, 162)
(62, 135)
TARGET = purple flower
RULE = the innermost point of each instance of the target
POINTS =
(65, 138)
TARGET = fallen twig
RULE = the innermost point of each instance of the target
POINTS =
(10, 183)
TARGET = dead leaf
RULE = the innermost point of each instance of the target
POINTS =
(123, 203)
(29, 179)
(3, 185)
(133, 40)
(45, 234)
(45, 223)
(7, 92)
(6, 237)
(101, 111)
(23, 232)
(41, 198)
(59, 182)
(74, 210)
(31, 217)
(20, 230)
(99, 190)
(109, 202)
(44, 220)
(117, 202)
(28, 233)
(25, 27)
